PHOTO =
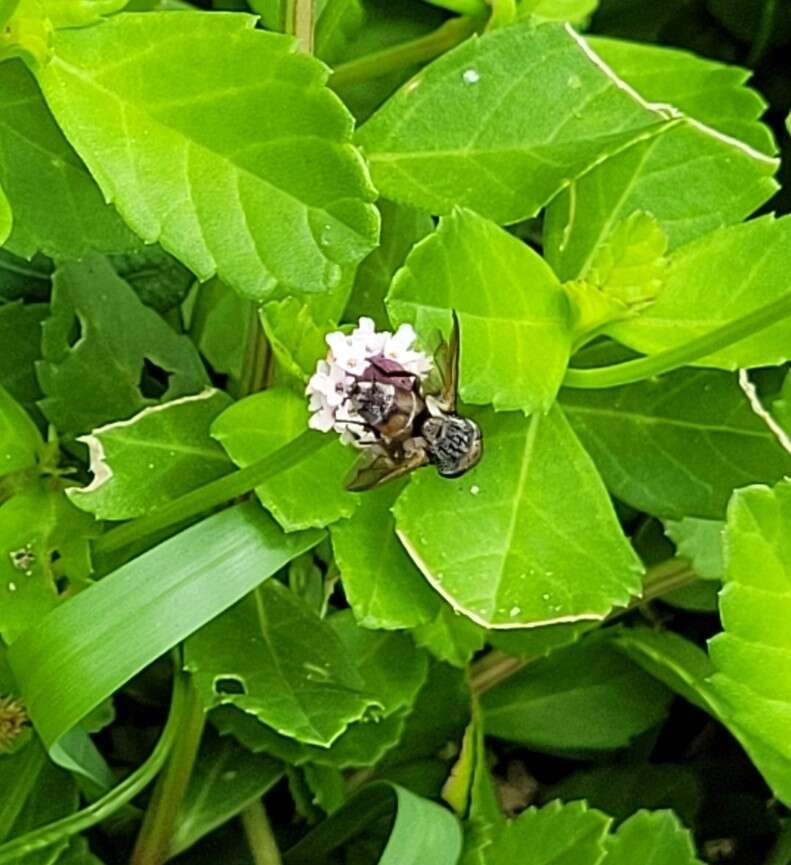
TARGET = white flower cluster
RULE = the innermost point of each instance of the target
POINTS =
(349, 359)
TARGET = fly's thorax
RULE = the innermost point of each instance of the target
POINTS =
(454, 443)
(390, 410)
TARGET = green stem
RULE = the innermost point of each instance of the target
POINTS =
(260, 838)
(660, 580)
(299, 22)
(682, 355)
(215, 493)
(156, 834)
(254, 367)
(406, 55)
(119, 796)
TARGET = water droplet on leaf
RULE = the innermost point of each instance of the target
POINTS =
(471, 76)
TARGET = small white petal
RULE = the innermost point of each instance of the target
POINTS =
(322, 420)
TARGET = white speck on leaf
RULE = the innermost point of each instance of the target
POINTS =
(515, 611)
(471, 76)
(12, 587)
(475, 489)
(574, 82)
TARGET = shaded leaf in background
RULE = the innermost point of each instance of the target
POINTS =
(337, 23)
(225, 780)
(657, 838)
(575, 11)
(156, 456)
(538, 641)
(527, 537)
(20, 439)
(402, 228)
(622, 789)
(686, 668)
(512, 311)
(718, 278)
(751, 655)
(44, 556)
(273, 657)
(468, 131)
(61, 664)
(700, 542)
(253, 135)
(21, 279)
(678, 445)
(98, 344)
(260, 424)
(421, 831)
(581, 698)
(380, 581)
(159, 280)
(20, 336)
(58, 208)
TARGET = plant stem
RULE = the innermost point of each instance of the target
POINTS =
(406, 55)
(215, 493)
(299, 22)
(763, 34)
(254, 368)
(682, 355)
(154, 840)
(259, 835)
(116, 798)
(660, 580)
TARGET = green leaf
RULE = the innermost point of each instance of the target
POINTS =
(420, 832)
(469, 131)
(576, 11)
(657, 838)
(260, 424)
(225, 780)
(678, 445)
(526, 538)
(273, 657)
(295, 336)
(553, 835)
(692, 177)
(583, 697)
(450, 637)
(402, 228)
(156, 456)
(20, 439)
(538, 641)
(751, 655)
(781, 408)
(392, 672)
(253, 134)
(20, 336)
(713, 93)
(382, 585)
(620, 790)
(626, 274)
(719, 278)
(97, 344)
(44, 556)
(700, 542)
(685, 668)
(57, 205)
(62, 664)
(512, 311)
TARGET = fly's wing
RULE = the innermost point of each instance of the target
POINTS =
(378, 466)
(446, 361)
